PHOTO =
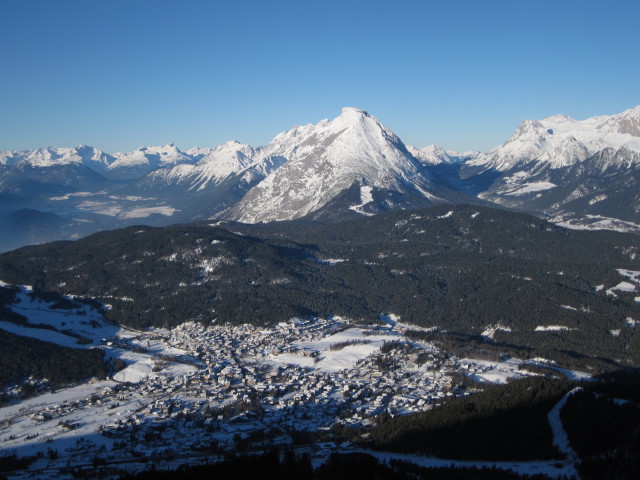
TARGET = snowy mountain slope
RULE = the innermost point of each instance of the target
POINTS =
(580, 173)
(561, 141)
(602, 187)
(196, 153)
(60, 319)
(50, 156)
(327, 158)
(153, 156)
(213, 166)
(435, 155)
(146, 159)
(576, 172)
(121, 166)
(219, 180)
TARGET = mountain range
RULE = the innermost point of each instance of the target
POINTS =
(581, 174)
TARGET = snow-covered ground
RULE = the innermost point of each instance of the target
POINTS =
(64, 326)
(358, 344)
(560, 438)
(40, 334)
(81, 320)
(494, 371)
(491, 330)
(147, 211)
(530, 187)
(196, 384)
(570, 374)
(551, 328)
(595, 222)
(365, 198)
(629, 286)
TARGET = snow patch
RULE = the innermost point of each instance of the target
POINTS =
(40, 334)
(390, 319)
(52, 324)
(568, 307)
(331, 261)
(210, 265)
(551, 468)
(147, 211)
(570, 374)
(632, 275)
(560, 438)
(75, 194)
(491, 330)
(621, 287)
(531, 187)
(552, 328)
(597, 198)
(596, 222)
(365, 198)
(493, 372)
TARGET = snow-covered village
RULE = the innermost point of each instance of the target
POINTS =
(191, 394)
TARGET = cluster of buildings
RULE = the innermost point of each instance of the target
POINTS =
(251, 388)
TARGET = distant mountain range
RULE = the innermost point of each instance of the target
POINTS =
(582, 174)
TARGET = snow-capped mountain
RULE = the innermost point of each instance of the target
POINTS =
(326, 159)
(560, 141)
(220, 178)
(581, 173)
(50, 156)
(52, 170)
(435, 155)
(576, 172)
(213, 166)
(146, 159)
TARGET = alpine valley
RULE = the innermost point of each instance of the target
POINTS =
(335, 304)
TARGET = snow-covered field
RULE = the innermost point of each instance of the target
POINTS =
(494, 371)
(596, 222)
(64, 326)
(530, 187)
(81, 320)
(358, 344)
(630, 286)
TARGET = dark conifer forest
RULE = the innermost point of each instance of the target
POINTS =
(462, 272)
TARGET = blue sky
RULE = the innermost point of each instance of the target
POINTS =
(120, 74)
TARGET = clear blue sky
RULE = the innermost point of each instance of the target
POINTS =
(119, 74)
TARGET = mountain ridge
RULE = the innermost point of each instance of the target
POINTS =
(332, 155)
(576, 172)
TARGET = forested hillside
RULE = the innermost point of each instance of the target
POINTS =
(509, 280)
